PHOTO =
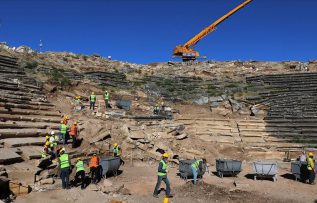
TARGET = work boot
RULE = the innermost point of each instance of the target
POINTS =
(155, 195)
(170, 196)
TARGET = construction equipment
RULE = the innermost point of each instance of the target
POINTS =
(265, 169)
(187, 52)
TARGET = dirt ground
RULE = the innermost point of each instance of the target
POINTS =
(140, 179)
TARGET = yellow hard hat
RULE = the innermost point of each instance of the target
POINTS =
(47, 137)
(75, 123)
(310, 154)
(78, 159)
(93, 93)
(62, 150)
(165, 155)
(47, 143)
(115, 144)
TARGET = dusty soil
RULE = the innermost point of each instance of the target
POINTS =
(140, 179)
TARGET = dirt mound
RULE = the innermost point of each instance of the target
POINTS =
(203, 192)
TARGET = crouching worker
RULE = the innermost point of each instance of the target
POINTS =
(80, 173)
(94, 168)
(64, 164)
(197, 166)
(162, 176)
(117, 152)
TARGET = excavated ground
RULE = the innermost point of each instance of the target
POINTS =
(209, 131)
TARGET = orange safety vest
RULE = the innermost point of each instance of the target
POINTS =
(73, 131)
(94, 162)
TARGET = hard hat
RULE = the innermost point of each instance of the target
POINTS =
(310, 154)
(75, 123)
(66, 117)
(93, 93)
(115, 144)
(47, 137)
(62, 150)
(165, 155)
(62, 122)
(94, 154)
(47, 143)
(53, 133)
(78, 159)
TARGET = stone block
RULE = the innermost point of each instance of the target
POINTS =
(8, 156)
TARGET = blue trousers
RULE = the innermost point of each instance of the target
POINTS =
(65, 177)
(92, 105)
(63, 137)
(195, 173)
(158, 185)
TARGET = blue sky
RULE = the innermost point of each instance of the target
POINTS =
(145, 31)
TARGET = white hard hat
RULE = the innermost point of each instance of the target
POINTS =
(53, 133)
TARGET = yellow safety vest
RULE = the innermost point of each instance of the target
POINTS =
(164, 168)
(64, 161)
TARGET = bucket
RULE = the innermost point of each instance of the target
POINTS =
(165, 200)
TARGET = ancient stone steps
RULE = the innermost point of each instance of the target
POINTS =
(9, 156)
(20, 125)
(23, 133)
(14, 111)
(27, 141)
(31, 152)
(36, 118)
(9, 105)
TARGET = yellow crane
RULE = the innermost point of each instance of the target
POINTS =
(187, 52)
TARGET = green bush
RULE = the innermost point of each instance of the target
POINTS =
(85, 57)
(58, 77)
(31, 65)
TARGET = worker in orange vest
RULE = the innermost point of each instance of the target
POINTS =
(74, 133)
(94, 167)
(65, 120)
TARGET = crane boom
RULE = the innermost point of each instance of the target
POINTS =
(187, 52)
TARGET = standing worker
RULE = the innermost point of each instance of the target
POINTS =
(311, 168)
(64, 164)
(92, 100)
(80, 173)
(94, 167)
(196, 167)
(107, 98)
(117, 152)
(74, 133)
(63, 131)
(162, 176)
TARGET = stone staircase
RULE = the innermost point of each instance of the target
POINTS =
(25, 114)
(289, 96)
